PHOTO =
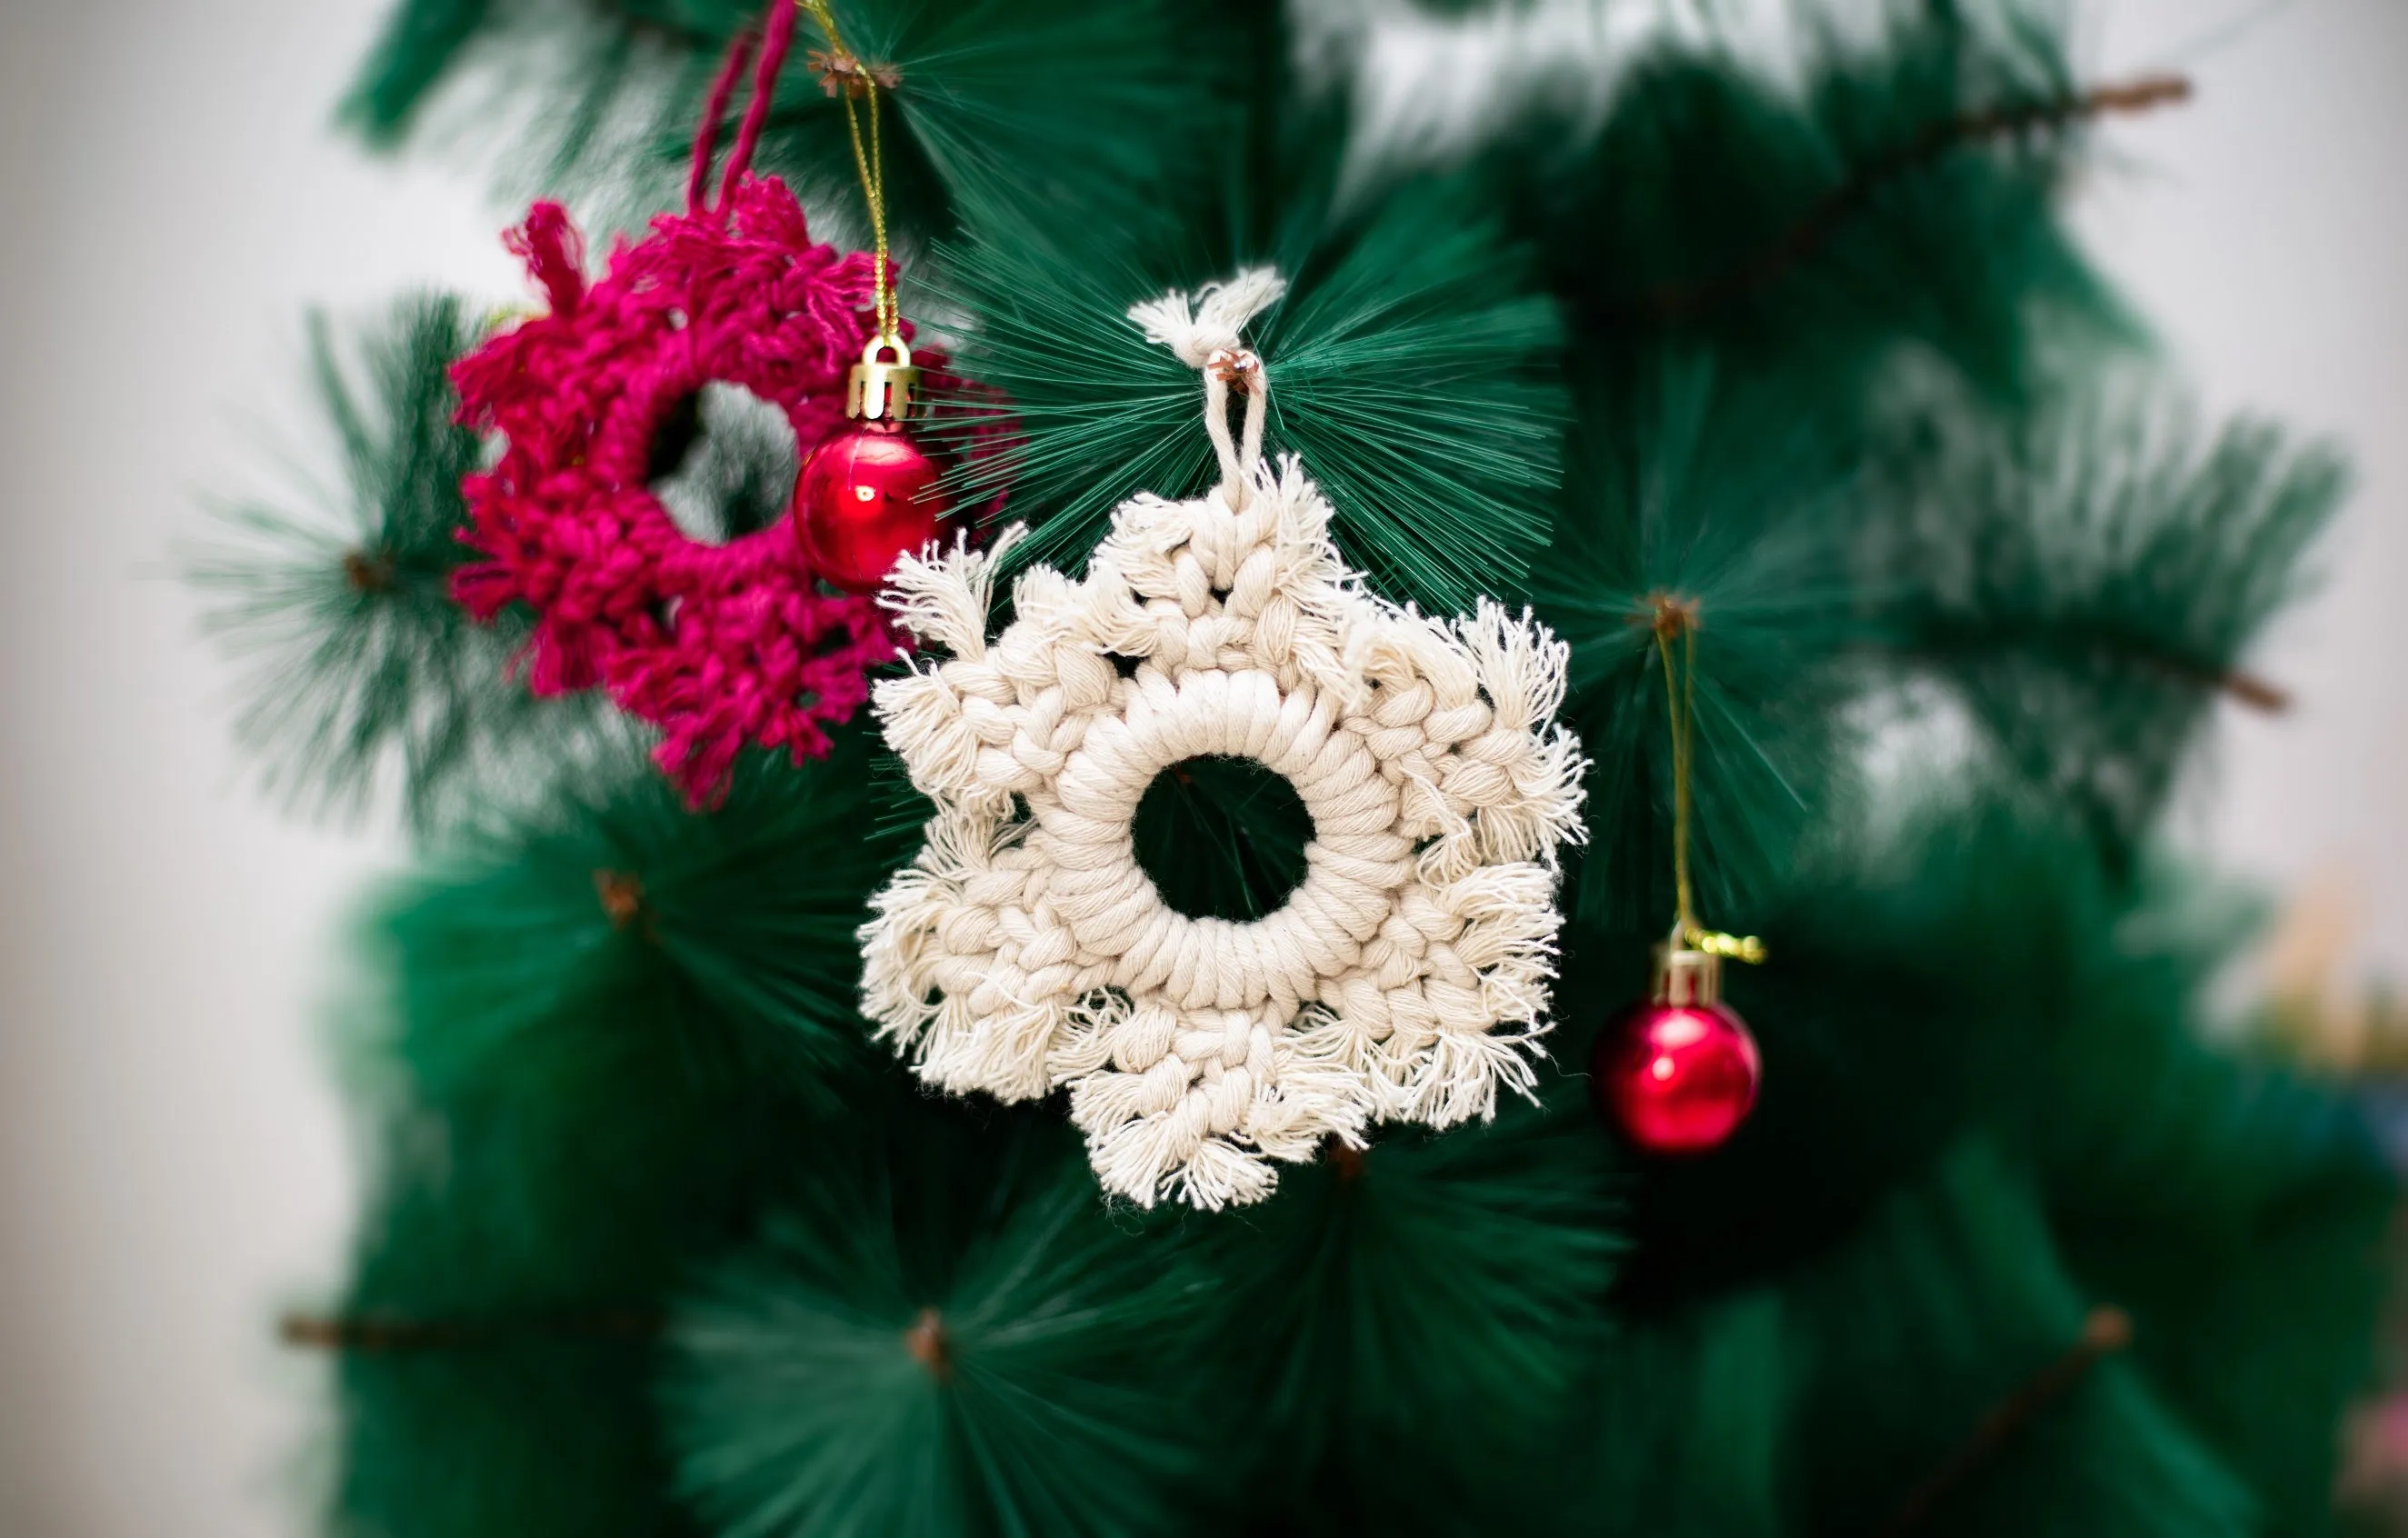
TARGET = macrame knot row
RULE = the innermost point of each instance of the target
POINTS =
(1025, 949)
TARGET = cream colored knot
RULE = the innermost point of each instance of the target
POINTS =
(1211, 324)
(1404, 979)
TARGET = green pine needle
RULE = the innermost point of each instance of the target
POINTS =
(1463, 1270)
(1057, 110)
(941, 1335)
(1065, 110)
(558, 942)
(1693, 487)
(1951, 1304)
(2237, 1210)
(1818, 228)
(511, 1274)
(1680, 1431)
(1222, 838)
(540, 1437)
(2089, 581)
(1408, 367)
(521, 1413)
(364, 679)
(418, 45)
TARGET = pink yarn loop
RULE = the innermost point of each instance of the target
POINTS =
(778, 35)
(714, 109)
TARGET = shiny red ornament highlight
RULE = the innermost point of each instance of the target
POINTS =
(1679, 1072)
(867, 497)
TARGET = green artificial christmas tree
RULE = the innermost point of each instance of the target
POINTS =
(771, 1147)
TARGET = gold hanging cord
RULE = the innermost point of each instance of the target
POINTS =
(1676, 619)
(844, 76)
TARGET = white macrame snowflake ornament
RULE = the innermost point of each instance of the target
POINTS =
(1404, 980)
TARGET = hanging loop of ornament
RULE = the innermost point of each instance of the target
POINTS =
(1676, 620)
(1245, 374)
(844, 77)
(870, 496)
(1678, 1072)
(1204, 337)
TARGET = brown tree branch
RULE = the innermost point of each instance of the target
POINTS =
(2257, 692)
(2106, 1332)
(370, 1334)
(1686, 300)
(368, 572)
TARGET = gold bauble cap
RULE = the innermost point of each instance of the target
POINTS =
(1684, 976)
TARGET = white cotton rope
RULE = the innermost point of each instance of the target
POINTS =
(1404, 980)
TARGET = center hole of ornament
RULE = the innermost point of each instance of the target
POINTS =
(722, 461)
(1222, 838)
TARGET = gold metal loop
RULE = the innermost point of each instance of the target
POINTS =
(879, 391)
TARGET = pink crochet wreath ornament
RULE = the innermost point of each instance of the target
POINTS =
(718, 645)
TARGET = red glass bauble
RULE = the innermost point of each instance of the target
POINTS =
(867, 497)
(1677, 1078)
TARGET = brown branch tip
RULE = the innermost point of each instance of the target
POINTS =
(2143, 94)
(1346, 1160)
(930, 1345)
(368, 572)
(841, 73)
(1240, 369)
(2105, 1332)
(379, 1335)
(1669, 615)
(622, 895)
(2257, 692)
(1683, 299)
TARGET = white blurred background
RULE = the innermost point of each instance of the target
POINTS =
(171, 1163)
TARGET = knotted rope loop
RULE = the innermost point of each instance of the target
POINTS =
(773, 38)
(1243, 372)
(1205, 338)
